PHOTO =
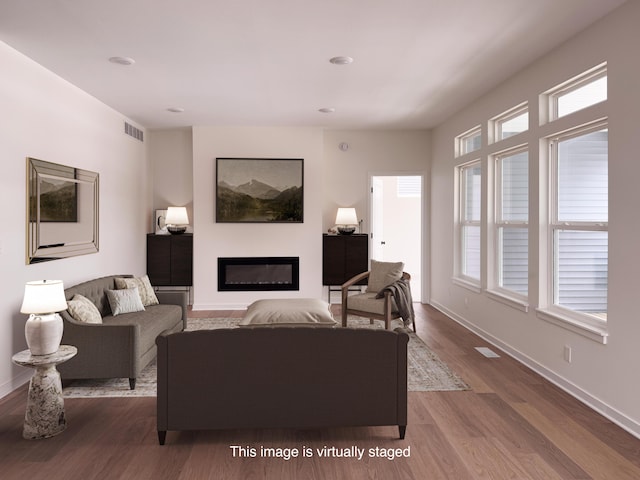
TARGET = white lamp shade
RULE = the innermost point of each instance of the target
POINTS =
(346, 216)
(43, 296)
(177, 216)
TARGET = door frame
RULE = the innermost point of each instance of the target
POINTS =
(425, 263)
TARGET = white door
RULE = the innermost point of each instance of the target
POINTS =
(396, 224)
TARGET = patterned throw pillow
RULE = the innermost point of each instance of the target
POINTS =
(124, 301)
(383, 274)
(83, 310)
(147, 295)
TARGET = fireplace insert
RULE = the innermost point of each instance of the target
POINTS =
(246, 274)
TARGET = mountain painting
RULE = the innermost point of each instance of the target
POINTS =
(259, 190)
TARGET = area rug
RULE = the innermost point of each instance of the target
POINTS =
(425, 371)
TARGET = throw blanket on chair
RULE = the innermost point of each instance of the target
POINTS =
(401, 292)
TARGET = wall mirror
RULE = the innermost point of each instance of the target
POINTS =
(62, 211)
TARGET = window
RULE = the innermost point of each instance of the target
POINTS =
(579, 221)
(469, 141)
(581, 92)
(470, 212)
(409, 187)
(511, 123)
(512, 221)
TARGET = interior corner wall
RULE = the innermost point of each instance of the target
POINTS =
(213, 240)
(598, 374)
(401, 152)
(171, 158)
(45, 117)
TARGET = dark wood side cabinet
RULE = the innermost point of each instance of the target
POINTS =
(344, 256)
(170, 260)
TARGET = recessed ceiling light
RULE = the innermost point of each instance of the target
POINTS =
(175, 109)
(122, 60)
(341, 60)
(327, 110)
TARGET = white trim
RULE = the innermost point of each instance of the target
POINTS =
(495, 124)
(549, 309)
(463, 137)
(592, 332)
(552, 95)
(617, 417)
(219, 306)
(463, 282)
(16, 382)
(496, 221)
(506, 299)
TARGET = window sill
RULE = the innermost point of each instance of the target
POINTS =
(506, 299)
(592, 332)
(468, 284)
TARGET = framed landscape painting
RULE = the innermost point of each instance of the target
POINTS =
(259, 190)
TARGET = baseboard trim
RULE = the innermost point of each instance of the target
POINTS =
(15, 383)
(219, 306)
(617, 417)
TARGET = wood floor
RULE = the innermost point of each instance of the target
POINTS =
(513, 424)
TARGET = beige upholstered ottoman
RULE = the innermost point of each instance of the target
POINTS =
(289, 311)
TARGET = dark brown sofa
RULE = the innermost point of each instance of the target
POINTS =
(123, 345)
(281, 377)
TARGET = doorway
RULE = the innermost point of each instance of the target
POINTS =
(397, 224)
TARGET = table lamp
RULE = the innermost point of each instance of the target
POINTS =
(346, 220)
(176, 220)
(43, 330)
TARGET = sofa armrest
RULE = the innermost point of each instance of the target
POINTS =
(101, 347)
(172, 297)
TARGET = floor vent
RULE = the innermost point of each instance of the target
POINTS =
(487, 352)
(133, 131)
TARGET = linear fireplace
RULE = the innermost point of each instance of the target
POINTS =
(246, 274)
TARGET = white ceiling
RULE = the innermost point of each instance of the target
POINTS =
(266, 62)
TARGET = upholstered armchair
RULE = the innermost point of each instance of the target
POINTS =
(386, 280)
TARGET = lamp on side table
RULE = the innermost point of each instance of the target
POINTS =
(43, 330)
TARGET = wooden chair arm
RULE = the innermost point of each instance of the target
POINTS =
(353, 280)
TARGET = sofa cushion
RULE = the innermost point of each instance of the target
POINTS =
(151, 322)
(367, 302)
(124, 301)
(83, 309)
(147, 295)
(383, 274)
(288, 311)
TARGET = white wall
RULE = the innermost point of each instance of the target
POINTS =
(599, 374)
(171, 157)
(45, 117)
(370, 152)
(332, 178)
(213, 240)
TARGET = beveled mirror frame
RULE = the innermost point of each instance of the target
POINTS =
(83, 187)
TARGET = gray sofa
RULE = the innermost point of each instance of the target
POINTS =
(281, 377)
(123, 345)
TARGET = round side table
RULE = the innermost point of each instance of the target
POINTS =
(44, 417)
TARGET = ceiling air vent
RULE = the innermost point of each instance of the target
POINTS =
(133, 131)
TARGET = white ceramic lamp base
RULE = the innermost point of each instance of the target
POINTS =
(43, 333)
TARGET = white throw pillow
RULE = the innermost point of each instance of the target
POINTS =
(83, 310)
(383, 274)
(125, 301)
